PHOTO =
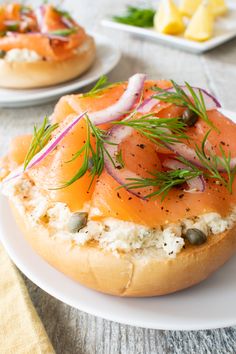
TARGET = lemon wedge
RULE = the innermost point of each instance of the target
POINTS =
(218, 7)
(188, 7)
(201, 25)
(168, 19)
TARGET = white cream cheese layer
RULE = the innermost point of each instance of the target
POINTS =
(112, 234)
(22, 55)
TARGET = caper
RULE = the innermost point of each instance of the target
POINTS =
(189, 117)
(196, 236)
(77, 221)
(90, 164)
(2, 54)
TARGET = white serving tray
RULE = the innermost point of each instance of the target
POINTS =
(225, 29)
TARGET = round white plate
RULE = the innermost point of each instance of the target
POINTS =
(108, 56)
(208, 305)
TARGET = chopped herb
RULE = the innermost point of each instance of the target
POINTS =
(63, 13)
(164, 181)
(140, 17)
(64, 31)
(100, 85)
(193, 101)
(213, 164)
(157, 130)
(40, 138)
(93, 158)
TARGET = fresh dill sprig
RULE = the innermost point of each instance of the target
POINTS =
(64, 32)
(158, 130)
(163, 180)
(215, 165)
(140, 17)
(40, 138)
(98, 87)
(194, 102)
(93, 154)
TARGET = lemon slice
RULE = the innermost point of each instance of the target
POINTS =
(218, 7)
(188, 7)
(168, 19)
(200, 27)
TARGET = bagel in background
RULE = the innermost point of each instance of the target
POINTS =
(24, 75)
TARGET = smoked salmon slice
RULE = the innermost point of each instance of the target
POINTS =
(22, 29)
(104, 197)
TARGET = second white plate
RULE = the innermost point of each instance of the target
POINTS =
(225, 29)
(108, 56)
(208, 305)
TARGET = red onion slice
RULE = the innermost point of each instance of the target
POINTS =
(124, 104)
(190, 155)
(57, 37)
(148, 105)
(40, 13)
(210, 101)
(196, 184)
(67, 22)
(47, 148)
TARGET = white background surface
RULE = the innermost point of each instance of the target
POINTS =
(70, 330)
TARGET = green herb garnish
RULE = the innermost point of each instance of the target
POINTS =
(63, 13)
(213, 163)
(140, 17)
(164, 181)
(98, 87)
(40, 138)
(157, 130)
(64, 32)
(93, 157)
(194, 102)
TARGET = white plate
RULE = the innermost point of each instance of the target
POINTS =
(225, 29)
(208, 305)
(108, 57)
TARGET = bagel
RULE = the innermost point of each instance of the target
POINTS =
(24, 75)
(129, 275)
(120, 241)
(41, 47)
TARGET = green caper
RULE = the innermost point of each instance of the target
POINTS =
(90, 164)
(2, 54)
(189, 117)
(77, 221)
(196, 236)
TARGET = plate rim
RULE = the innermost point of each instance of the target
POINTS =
(64, 88)
(96, 311)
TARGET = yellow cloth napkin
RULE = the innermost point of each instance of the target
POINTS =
(21, 331)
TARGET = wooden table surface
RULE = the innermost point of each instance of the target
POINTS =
(75, 332)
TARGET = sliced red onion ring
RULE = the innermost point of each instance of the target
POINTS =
(116, 135)
(147, 105)
(210, 101)
(57, 37)
(40, 13)
(47, 149)
(67, 22)
(124, 104)
(190, 155)
(11, 23)
(196, 184)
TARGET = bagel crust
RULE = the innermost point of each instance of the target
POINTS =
(23, 75)
(128, 275)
